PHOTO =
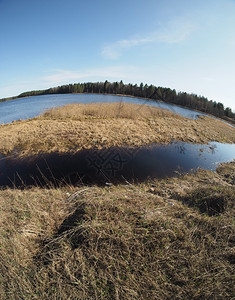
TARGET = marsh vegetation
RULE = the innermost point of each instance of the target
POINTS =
(101, 125)
(162, 239)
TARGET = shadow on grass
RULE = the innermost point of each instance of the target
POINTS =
(210, 200)
(70, 231)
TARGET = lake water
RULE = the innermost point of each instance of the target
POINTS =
(113, 164)
(25, 108)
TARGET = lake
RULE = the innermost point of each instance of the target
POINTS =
(30, 107)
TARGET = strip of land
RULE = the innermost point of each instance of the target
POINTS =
(102, 125)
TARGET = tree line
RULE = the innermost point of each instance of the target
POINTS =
(152, 92)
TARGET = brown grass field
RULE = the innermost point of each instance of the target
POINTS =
(84, 126)
(164, 239)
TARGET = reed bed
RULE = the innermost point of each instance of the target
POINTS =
(101, 125)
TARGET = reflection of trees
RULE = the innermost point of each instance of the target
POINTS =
(213, 149)
(180, 148)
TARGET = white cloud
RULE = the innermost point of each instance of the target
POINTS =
(97, 74)
(113, 51)
(175, 32)
(208, 79)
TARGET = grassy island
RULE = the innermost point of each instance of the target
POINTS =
(85, 126)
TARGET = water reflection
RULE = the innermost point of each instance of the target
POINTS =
(112, 165)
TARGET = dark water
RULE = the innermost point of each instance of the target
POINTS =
(112, 165)
(30, 107)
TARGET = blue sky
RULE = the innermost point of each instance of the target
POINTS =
(183, 44)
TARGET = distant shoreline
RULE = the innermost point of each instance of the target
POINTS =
(229, 122)
(166, 95)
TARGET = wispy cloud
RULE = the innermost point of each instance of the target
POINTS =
(175, 32)
(61, 76)
(16, 87)
(112, 73)
(208, 79)
(114, 50)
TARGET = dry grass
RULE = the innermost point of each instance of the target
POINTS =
(104, 111)
(84, 126)
(120, 242)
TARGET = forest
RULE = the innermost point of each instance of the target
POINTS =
(152, 92)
